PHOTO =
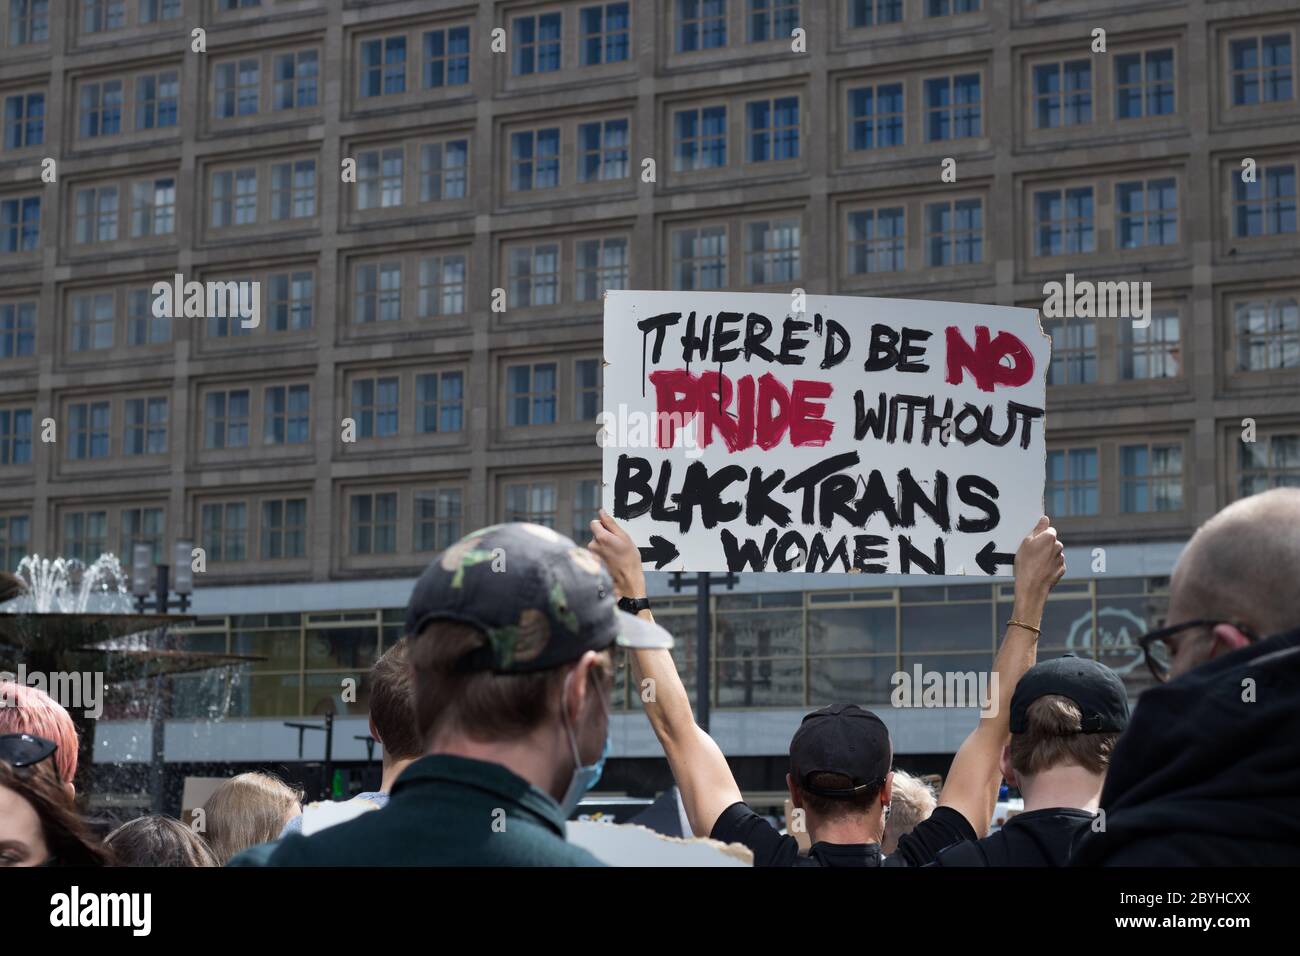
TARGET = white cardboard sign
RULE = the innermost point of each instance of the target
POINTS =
(772, 432)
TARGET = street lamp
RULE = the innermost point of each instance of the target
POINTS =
(161, 602)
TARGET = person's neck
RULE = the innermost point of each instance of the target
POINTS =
(392, 770)
(1072, 787)
(848, 829)
(528, 757)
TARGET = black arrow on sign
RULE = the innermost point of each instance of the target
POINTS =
(988, 559)
(661, 551)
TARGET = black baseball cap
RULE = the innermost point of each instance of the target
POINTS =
(1095, 689)
(842, 739)
(541, 600)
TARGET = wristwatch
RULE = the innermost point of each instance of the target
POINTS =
(634, 605)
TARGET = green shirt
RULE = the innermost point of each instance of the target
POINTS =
(443, 811)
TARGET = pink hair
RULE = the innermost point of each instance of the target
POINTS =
(29, 710)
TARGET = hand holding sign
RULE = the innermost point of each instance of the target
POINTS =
(1040, 563)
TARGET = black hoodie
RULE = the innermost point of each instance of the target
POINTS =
(1202, 777)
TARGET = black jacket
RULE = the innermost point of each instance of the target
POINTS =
(1204, 775)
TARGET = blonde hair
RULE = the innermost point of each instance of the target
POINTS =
(911, 802)
(1054, 738)
(246, 810)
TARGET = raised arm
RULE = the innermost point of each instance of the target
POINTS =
(973, 780)
(701, 771)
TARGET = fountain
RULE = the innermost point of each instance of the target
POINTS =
(75, 622)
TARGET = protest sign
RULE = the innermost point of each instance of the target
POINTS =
(772, 432)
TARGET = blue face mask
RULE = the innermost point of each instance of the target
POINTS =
(584, 777)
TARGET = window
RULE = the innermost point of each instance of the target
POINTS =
(870, 13)
(295, 79)
(534, 503)
(284, 528)
(225, 5)
(290, 298)
(773, 133)
(142, 326)
(446, 57)
(534, 275)
(586, 505)
(17, 329)
(531, 394)
(877, 241)
(142, 526)
(15, 436)
(24, 120)
(99, 16)
(293, 189)
(700, 258)
(700, 139)
(29, 22)
(96, 212)
(772, 19)
(88, 427)
(602, 150)
(701, 24)
(535, 159)
(153, 208)
(443, 168)
(383, 66)
(948, 8)
(238, 86)
(1147, 213)
(1266, 206)
(1261, 70)
(14, 536)
(1063, 221)
(153, 11)
(439, 402)
(1271, 462)
(234, 197)
(1151, 478)
(952, 106)
(536, 44)
(85, 535)
(375, 404)
(225, 419)
(954, 232)
(146, 426)
(379, 292)
(603, 34)
(586, 389)
(1144, 84)
(442, 286)
(225, 531)
(101, 109)
(234, 304)
(286, 415)
(379, 178)
(1151, 352)
(1072, 483)
(601, 265)
(20, 224)
(876, 118)
(157, 96)
(1074, 351)
(772, 251)
(92, 322)
(1062, 94)
(437, 518)
(1268, 335)
(373, 524)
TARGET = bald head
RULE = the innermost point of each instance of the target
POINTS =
(1242, 565)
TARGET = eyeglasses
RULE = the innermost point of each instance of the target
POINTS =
(1159, 653)
(25, 750)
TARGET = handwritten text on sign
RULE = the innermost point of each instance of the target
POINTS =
(870, 435)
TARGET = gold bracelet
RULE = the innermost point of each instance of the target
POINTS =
(1027, 627)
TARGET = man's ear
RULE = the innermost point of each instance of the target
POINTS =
(887, 791)
(374, 731)
(1227, 639)
(1004, 764)
(795, 797)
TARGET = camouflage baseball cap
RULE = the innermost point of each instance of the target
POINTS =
(541, 600)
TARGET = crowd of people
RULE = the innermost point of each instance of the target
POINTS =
(494, 717)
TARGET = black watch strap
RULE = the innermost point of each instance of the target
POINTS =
(633, 605)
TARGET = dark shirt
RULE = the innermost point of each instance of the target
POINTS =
(1037, 838)
(739, 824)
(443, 811)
